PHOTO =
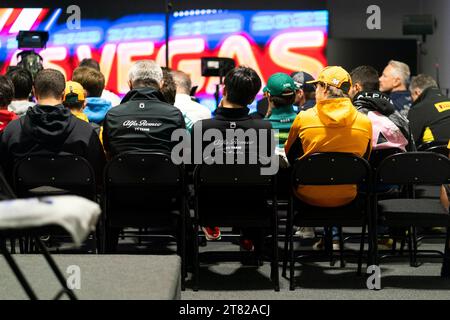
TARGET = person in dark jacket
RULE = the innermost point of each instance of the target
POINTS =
(241, 86)
(430, 113)
(394, 82)
(50, 128)
(6, 96)
(390, 129)
(144, 121)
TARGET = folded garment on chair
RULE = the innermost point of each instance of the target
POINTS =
(77, 215)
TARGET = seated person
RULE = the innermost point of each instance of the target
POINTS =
(241, 86)
(50, 128)
(390, 128)
(6, 96)
(74, 99)
(333, 125)
(429, 116)
(23, 83)
(93, 83)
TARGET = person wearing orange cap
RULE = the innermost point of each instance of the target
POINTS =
(332, 125)
(75, 101)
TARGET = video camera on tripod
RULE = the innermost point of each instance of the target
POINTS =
(29, 59)
(217, 67)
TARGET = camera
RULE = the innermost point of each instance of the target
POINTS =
(216, 67)
(32, 39)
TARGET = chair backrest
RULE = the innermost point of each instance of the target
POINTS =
(331, 168)
(228, 194)
(437, 147)
(68, 172)
(139, 185)
(414, 168)
(143, 169)
(379, 155)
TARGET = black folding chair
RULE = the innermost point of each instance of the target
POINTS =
(144, 190)
(331, 169)
(236, 196)
(7, 194)
(436, 147)
(49, 175)
(412, 169)
(53, 175)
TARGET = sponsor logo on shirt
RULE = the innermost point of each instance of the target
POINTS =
(442, 106)
(141, 125)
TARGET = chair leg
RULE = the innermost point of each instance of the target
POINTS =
(196, 274)
(13, 245)
(41, 247)
(182, 241)
(445, 271)
(285, 250)
(275, 271)
(410, 246)
(341, 248)
(361, 249)
(414, 238)
(17, 272)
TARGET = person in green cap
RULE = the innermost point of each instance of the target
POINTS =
(281, 90)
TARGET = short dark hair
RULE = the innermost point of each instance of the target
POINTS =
(49, 83)
(6, 91)
(367, 77)
(90, 63)
(93, 81)
(242, 84)
(169, 88)
(22, 81)
(281, 101)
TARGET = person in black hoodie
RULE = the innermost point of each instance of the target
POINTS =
(430, 113)
(144, 121)
(390, 129)
(50, 128)
(241, 86)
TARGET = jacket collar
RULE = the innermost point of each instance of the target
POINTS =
(232, 113)
(144, 94)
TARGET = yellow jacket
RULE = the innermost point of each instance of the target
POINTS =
(333, 125)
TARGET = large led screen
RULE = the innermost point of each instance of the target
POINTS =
(268, 41)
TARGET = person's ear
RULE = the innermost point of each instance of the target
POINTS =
(130, 84)
(357, 87)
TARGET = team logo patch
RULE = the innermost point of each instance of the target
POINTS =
(442, 106)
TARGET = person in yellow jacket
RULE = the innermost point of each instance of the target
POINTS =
(75, 100)
(332, 125)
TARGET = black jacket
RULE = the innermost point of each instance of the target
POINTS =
(430, 110)
(231, 120)
(50, 130)
(366, 101)
(144, 121)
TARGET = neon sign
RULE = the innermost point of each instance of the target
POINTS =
(268, 41)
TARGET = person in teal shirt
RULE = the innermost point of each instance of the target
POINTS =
(281, 90)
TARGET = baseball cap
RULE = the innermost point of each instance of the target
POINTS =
(301, 78)
(74, 92)
(280, 84)
(335, 76)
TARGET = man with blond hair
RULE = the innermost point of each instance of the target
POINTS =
(394, 81)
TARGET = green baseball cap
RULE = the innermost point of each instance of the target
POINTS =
(280, 84)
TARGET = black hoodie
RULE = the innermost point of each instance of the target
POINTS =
(375, 101)
(50, 130)
(144, 121)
